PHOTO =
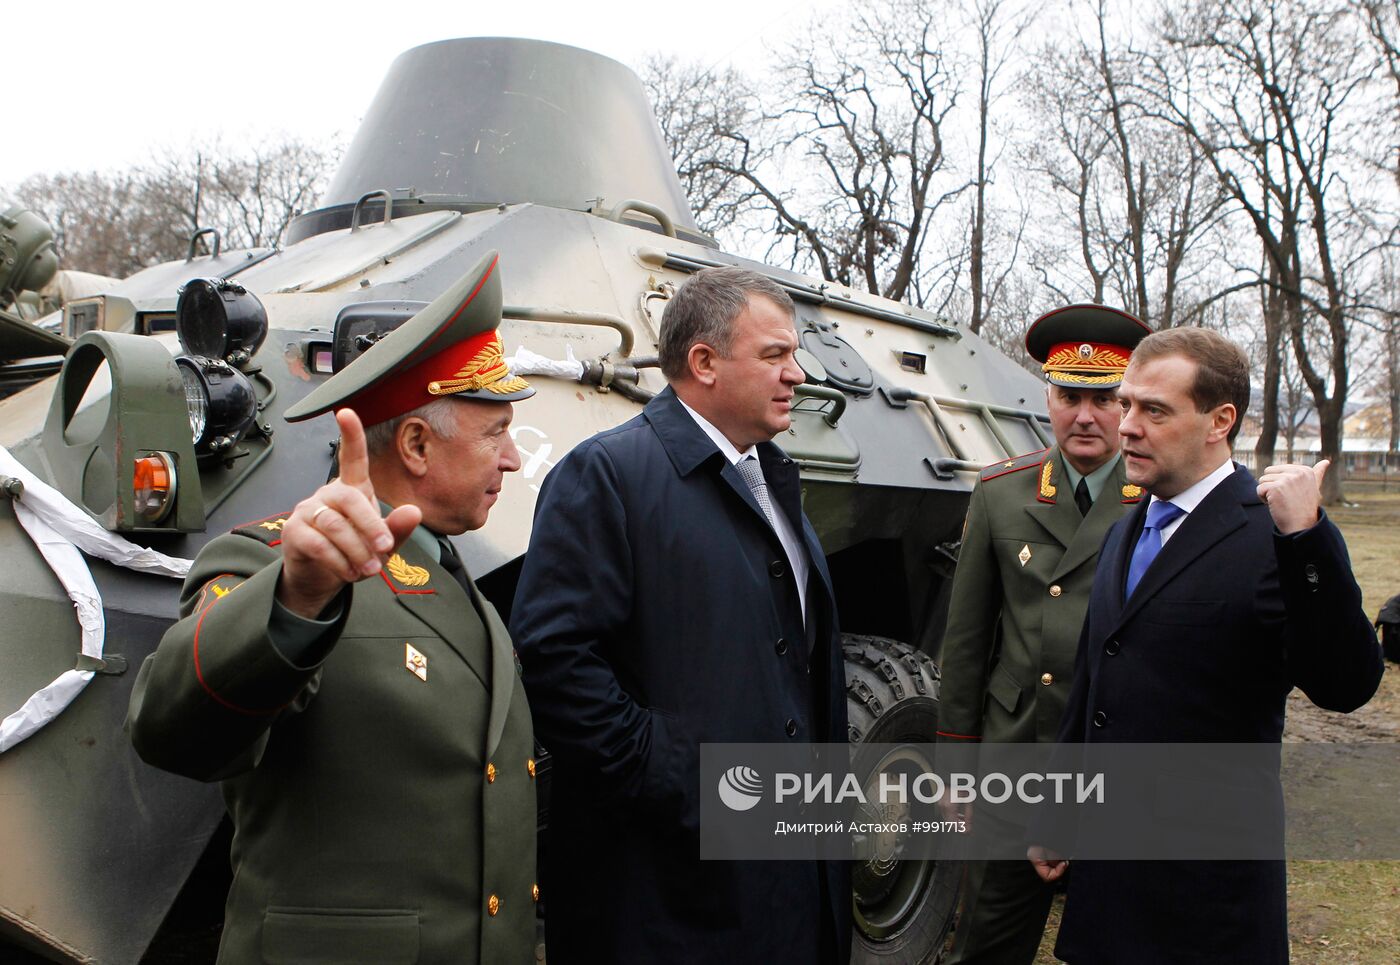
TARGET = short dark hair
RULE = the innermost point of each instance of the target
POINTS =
(703, 309)
(1222, 370)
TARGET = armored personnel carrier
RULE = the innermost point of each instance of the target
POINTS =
(164, 428)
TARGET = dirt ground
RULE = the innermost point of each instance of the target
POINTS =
(1342, 912)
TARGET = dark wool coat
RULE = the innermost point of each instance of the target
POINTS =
(1229, 618)
(656, 610)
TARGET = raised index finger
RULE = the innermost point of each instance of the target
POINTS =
(354, 454)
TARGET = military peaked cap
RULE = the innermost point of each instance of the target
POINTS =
(450, 348)
(1085, 346)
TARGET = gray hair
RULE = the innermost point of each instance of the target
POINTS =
(703, 309)
(437, 414)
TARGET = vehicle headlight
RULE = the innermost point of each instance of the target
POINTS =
(196, 402)
(220, 319)
(220, 401)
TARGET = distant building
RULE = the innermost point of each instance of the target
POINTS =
(1366, 451)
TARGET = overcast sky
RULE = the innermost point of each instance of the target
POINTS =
(100, 85)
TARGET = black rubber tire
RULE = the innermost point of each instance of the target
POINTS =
(892, 698)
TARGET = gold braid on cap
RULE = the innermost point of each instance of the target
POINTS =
(1078, 378)
(1096, 358)
(487, 371)
(1074, 365)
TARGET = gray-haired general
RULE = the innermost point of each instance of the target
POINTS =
(673, 594)
(341, 676)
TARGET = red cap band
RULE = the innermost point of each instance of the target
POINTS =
(407, 389)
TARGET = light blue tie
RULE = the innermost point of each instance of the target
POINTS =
(1149, 544)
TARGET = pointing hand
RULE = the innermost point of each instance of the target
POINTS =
(336, 536)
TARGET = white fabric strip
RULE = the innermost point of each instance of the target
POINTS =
(60, 529)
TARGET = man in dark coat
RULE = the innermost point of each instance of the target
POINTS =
(353, 692)
(1211, 602)
(674, 594)
(1033, 531)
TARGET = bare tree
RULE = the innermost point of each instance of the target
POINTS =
(702, 112)
(1382, 22)
(101, 221)
(116, 224)
(1392, 382)
(1141, 196)
(849, 169)
(1389, 383)
(1264, 88)
(260, 192)
(998, 36)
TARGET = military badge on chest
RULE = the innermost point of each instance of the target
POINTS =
(415, 662)
(1025, 555)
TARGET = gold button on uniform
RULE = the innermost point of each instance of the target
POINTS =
(1055, 590)
(1047, 679)
(535, 892)
(493, 905)
(530, 766)
(491, 779)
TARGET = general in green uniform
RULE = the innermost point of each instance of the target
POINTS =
(1033, 531)
(356, 696)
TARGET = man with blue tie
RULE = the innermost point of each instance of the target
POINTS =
(1211, 602)
(1030, 543)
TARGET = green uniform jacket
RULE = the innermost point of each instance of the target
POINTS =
(1019, 597)
(378, 816)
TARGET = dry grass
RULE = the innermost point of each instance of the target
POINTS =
(1342, 912)
(1371, 524)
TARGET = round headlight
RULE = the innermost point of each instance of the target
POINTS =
(220, 400)
(196, 402)
(220, 319)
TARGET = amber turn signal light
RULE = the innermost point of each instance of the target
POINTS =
(154, 484)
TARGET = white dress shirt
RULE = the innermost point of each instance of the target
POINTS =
(1191, 497)
(792, 542)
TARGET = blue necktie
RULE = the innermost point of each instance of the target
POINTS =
(1149, 544)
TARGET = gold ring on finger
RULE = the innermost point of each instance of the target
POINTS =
(317, 514)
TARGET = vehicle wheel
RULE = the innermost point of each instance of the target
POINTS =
(903, 908)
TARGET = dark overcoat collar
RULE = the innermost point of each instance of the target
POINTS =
(689, 447)
(685, 442)
(1216, 517)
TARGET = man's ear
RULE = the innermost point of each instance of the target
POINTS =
(1222, 419)
(700, 362)
(411, 443)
